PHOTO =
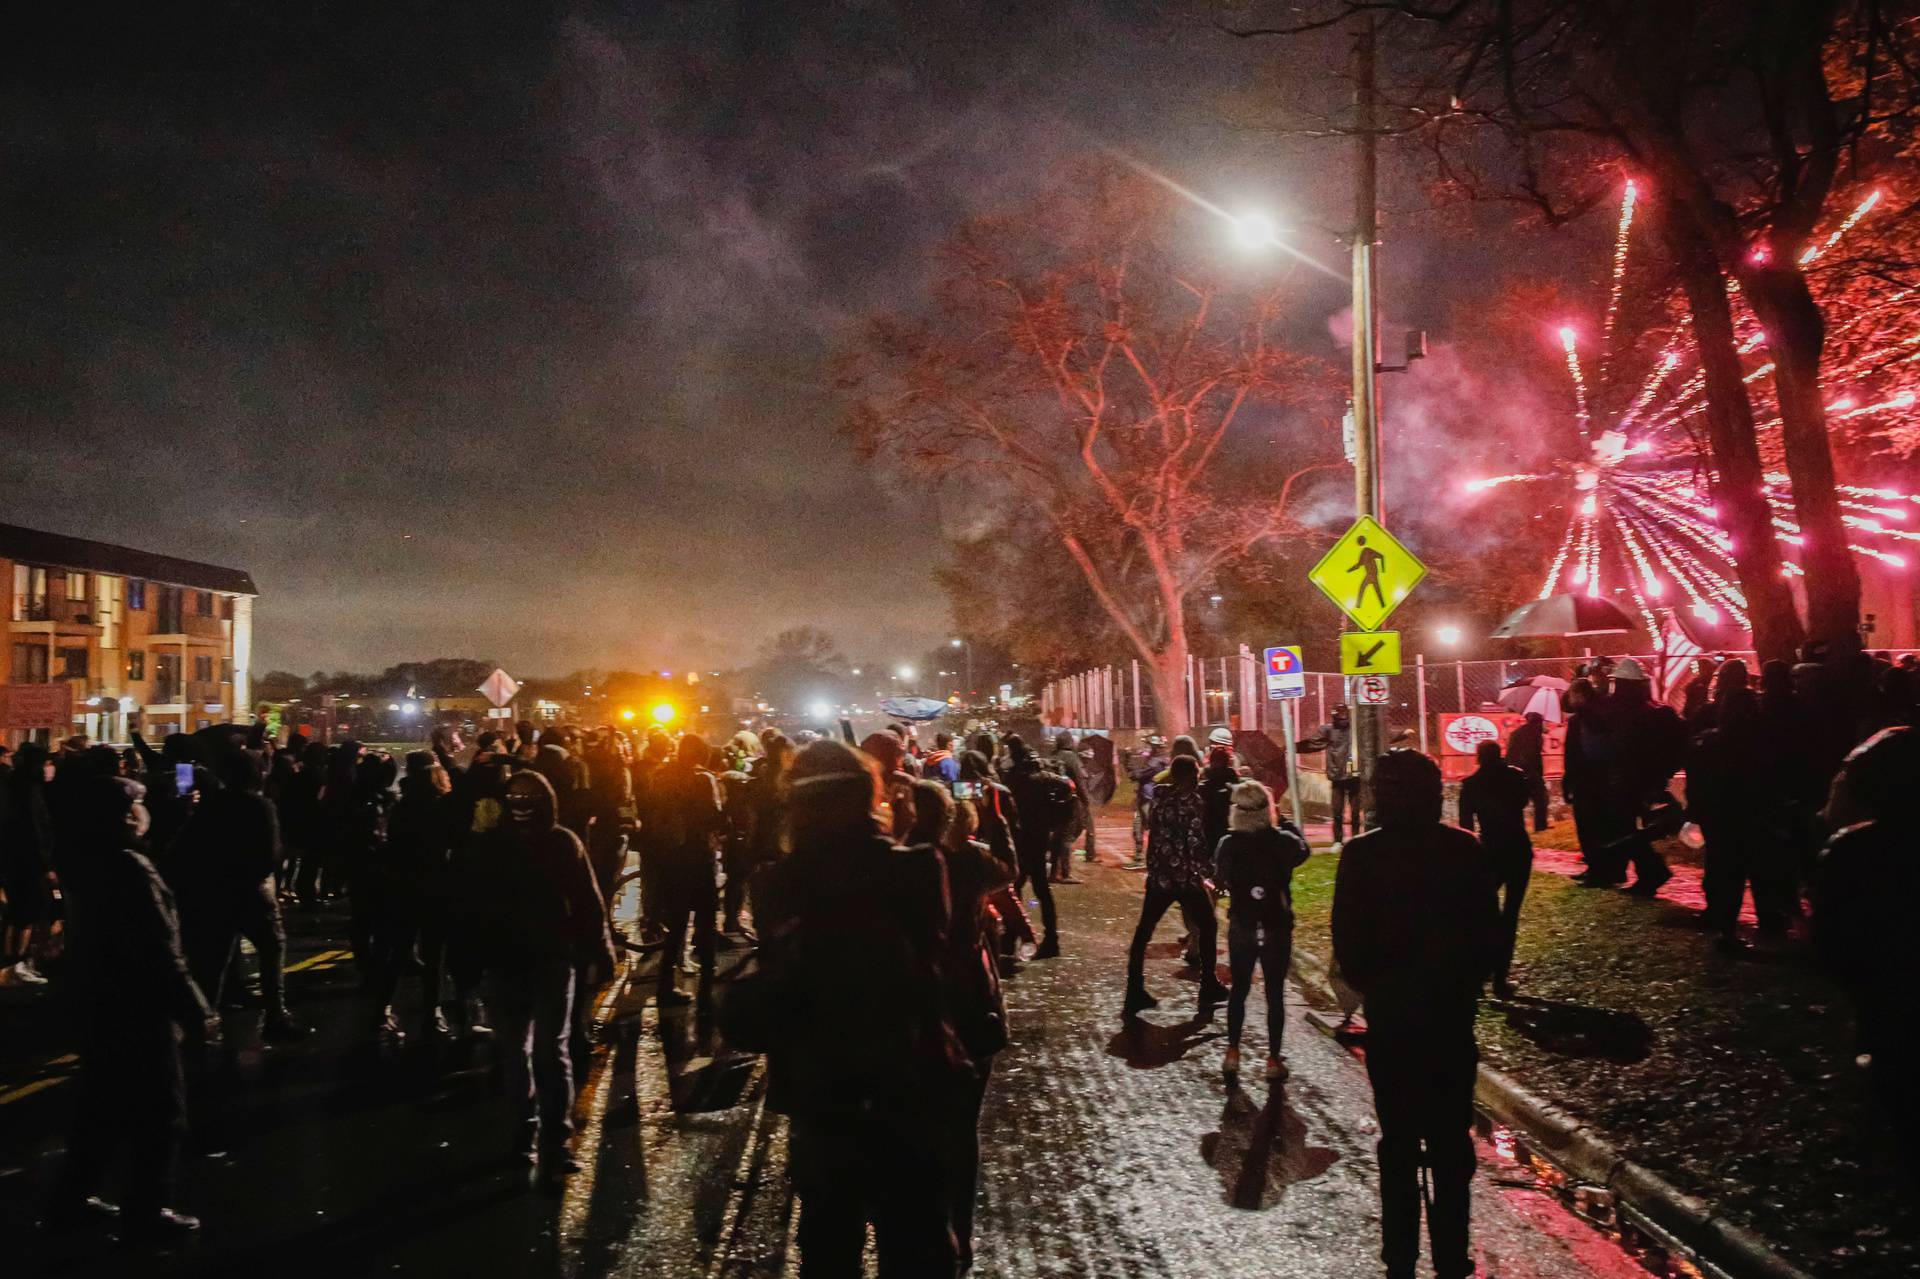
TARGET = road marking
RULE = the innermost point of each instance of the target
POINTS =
(325, 959)
(27, 1090)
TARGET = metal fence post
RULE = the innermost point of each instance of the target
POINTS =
(1135, 663)
(1460, 684)
(1420, 695)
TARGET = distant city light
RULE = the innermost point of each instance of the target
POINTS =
(820, 710)
(664, 713)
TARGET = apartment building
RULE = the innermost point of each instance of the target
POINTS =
(141, 639)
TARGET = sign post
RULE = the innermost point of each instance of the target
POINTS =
(1288, 725)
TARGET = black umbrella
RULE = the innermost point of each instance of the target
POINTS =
(1564, 615)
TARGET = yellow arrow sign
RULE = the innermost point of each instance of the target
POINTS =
(1370, 652)
(1367, 573)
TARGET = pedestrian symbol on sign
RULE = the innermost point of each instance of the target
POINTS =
(1369, 563)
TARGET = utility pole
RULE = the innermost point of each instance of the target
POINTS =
(1367, 720)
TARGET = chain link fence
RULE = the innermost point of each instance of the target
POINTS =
(1230, 692)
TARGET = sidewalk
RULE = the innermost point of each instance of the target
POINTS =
(1732, 1078)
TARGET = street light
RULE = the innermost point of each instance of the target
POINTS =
(820, 710)
(958, 642)
(1256, 231)
(1448, 635)
(905, 672)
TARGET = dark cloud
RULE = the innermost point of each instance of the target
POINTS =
(498, 328)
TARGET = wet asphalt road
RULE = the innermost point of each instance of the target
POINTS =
(1105, 1152)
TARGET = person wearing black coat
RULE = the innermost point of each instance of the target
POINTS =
(870, 1083)
(972, 976)
(1527, 751)
(135, 997)
(1042, 818)
(536, 915)
(1217, 780)
(1254, 863)
(422, 829)
(1493, 803)
(1416, 930)
(1866, 896)
(223, 864)
(688, 824)
(26, 862)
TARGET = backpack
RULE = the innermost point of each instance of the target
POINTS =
(1056, 798)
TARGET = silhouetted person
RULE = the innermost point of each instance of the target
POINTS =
(1335, 737)
(1254, 862)
(1493, 804)
(1866, 897)
(1734, 794)
(1178, 865)
(537, 915)
(1416, 930)
(135, 999)
(1527, 751)
(223, 863)
(1045, 802)
(861, 1051)
(686, 803)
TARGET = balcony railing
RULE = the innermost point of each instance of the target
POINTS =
(191, 625)
(44, 608)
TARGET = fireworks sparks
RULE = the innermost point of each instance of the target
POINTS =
(1621, 238)
(1571, 341)
(1641, 524)
(1814, 253)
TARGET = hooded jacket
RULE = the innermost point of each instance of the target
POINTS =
(1416, 928)
(1254, 863)
(532, 897)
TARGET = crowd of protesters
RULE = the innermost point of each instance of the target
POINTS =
(483, 877)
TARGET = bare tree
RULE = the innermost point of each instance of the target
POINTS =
(1078, 365)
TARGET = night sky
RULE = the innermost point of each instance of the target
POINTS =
(498, 329)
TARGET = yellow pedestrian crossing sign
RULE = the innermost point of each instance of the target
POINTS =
(1370, 652)
(1367, 573)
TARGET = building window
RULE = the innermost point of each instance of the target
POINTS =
(166, 678)
(29, 593)
(76, 586)
(136, 595)
(29, 663)
(203, 669)
(226, 607)
(73, 663)
(226, 670)
(203, 603)
(137, 664)
(168, 606)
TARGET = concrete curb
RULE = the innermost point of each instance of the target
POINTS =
(1569, 1144)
